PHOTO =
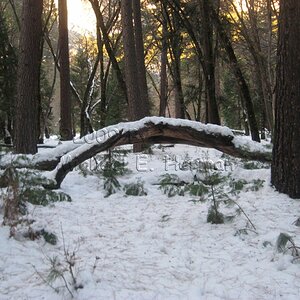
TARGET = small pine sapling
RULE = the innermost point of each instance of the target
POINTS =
(111, 168)
(111, 184)
(171, 185)
(198, 189)
(237, 185)
(135, 189)
(214, 216)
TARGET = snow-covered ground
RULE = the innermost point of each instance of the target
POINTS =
(153, 246)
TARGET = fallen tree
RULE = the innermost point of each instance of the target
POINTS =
(151, 130)
(154, 130)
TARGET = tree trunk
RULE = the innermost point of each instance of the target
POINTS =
(286, 152)
(207, 33)
(253, 40)
(85, 116)
(176, 65)
(163, 66)
(108, 46)
(261, 63)
(135, 71)
(131, 72)
(242, 84)
(102, 78)
(26, 120)
(65, 95)
(140, 58)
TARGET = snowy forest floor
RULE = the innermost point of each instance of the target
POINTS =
(155, 246)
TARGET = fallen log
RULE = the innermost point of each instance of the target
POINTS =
(154, 130)
(39, 146)
(45, 161)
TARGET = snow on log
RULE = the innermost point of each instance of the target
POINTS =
(45, 161)
(153, 130)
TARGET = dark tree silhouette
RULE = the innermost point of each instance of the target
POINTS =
(286, 153)
(209, 63)
(65, 94)
(134, 60)
(26, 116)
(164, 62)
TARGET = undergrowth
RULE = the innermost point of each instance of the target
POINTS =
(211, 187)
(24, 186)
(108, 167)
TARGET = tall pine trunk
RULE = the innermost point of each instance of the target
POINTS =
(139, 48)
(135, 71)
(209, 62)
(286, 153)
(65, 94)
(176, 48)
(131, 72)
(163, 65)
(26, 119)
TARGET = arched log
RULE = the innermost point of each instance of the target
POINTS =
(153, 130)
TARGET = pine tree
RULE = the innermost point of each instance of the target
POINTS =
(134, 64)
(65, 95)
(26, 115)
(286, 153)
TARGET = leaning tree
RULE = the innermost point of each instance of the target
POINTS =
(286, 153)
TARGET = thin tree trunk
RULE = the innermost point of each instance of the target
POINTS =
(261, 65)
(102, 78)
(212, 107)
(85, 120)
(176, 66)
(108, 46)
(56, 62)
(65, 95)
(163, 66)
(242, 84)
(40, 108)
(140, 59)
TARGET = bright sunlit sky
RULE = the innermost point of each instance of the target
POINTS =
(81, 16)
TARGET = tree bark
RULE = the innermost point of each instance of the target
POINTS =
(176, 51)
(108, 46)
(209, 60)
(140, 58)
(131, 72)
(163, 65)
(146, 130)
(154, 132)
(286, 153)
(26, 120)
(65, 95)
